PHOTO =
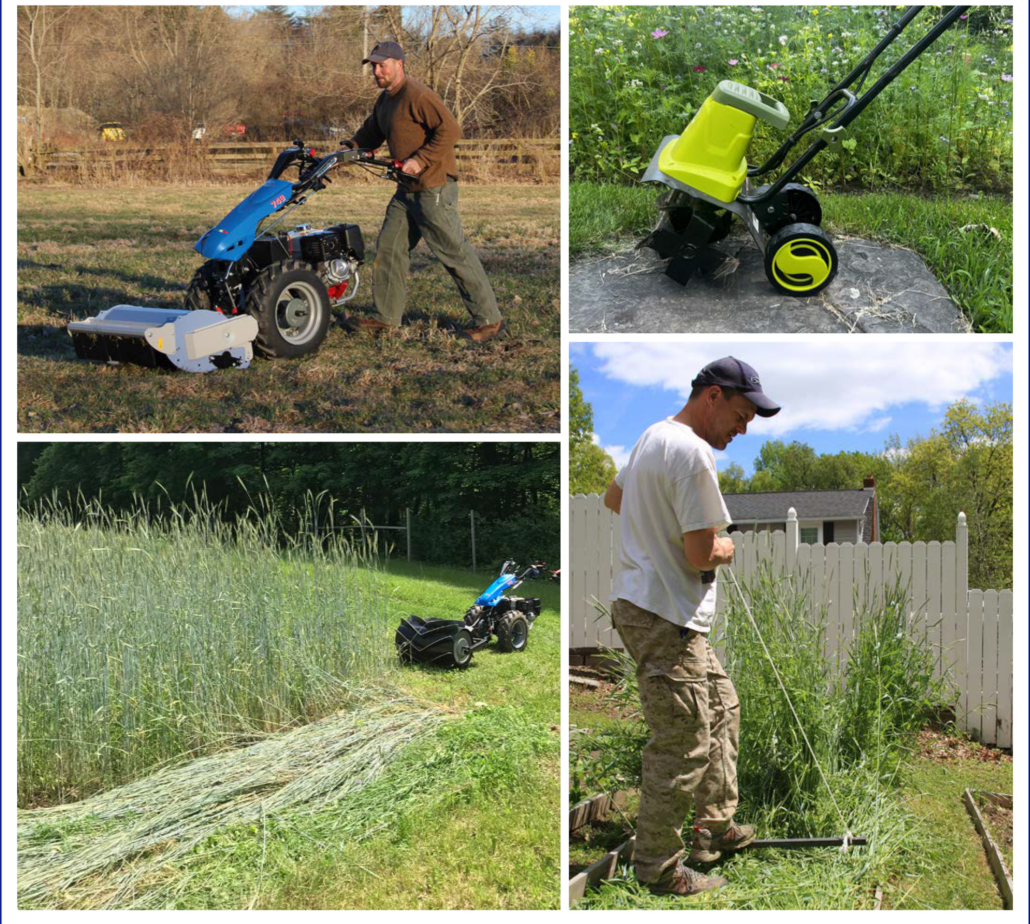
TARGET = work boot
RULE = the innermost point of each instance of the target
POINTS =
(484, 333)
(708, 847)
(682, 880)
(362, 324)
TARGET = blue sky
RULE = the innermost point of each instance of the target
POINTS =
(528, 16)
(835, 396)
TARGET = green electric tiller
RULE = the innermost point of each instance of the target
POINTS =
(709, 179)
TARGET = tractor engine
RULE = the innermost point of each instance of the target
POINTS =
(336, 253)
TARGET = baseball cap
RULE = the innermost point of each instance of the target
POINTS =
(730, 372)
(384, 50)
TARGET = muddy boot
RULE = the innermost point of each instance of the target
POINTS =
(708, 847)
(682, 880)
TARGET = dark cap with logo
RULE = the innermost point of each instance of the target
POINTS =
(383, 51)
(732, 373)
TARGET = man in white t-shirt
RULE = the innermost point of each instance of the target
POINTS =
(671, 511)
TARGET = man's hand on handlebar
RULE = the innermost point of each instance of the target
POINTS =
(411, 167)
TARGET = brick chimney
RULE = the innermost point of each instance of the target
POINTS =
(869, 484)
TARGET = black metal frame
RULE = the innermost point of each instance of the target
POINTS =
(821, 112)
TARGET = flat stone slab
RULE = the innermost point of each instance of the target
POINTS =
(878, 290)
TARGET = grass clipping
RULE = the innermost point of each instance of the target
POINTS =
(103, 851)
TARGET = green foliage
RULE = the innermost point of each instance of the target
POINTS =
(637, 74)
(590, 469)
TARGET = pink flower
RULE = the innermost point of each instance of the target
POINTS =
(699, 68)
(773, 66)
(733, 62)
(659, 33)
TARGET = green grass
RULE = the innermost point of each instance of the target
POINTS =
(455, 813)
(81, 250)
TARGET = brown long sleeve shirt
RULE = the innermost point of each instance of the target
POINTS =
(414, 122)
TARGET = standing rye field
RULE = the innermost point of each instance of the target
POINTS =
(151, 636)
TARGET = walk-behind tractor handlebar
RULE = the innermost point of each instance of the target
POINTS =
(540, 572)
(312, 170)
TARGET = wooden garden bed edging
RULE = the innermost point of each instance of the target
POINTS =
(602, 869)
(594, 809)
(994, 857)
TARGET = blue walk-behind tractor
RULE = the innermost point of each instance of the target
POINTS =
(451, 642)
(261, 290)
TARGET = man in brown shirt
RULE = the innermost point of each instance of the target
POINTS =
(420, 132)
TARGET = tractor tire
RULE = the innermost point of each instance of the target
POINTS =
(290, 303)
(202, 285)
(513, 632)
(461, 652)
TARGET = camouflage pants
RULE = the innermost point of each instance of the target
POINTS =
(694, 716)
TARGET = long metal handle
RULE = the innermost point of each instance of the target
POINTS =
(853, 109)
(793, 842)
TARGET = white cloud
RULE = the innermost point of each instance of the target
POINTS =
(620, 454)
(821, 386)
(876, 424)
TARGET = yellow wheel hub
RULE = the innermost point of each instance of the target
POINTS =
(802, 263)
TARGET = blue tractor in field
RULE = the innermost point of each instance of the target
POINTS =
(451, 642)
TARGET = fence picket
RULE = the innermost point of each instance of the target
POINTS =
(974, 665)
(932, 620)
(831, 571)
(579, 548)
(847, 585)
(946, 636)
(1004, 726)
(874, 557)
(989, 685)
(919, 590)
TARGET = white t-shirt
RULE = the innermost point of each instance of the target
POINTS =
(669, 487)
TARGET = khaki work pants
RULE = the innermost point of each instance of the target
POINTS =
(694, 716)
(430, 215)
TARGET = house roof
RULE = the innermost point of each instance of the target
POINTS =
(810, 505)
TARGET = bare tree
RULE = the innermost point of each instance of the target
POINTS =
(41, 42)
(462, 52)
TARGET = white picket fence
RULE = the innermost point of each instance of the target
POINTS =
(970, 631)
